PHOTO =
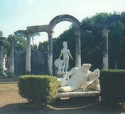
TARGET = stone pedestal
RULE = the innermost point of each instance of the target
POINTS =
(78, 94)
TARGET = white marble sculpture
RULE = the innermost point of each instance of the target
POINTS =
(4, 63)
(62, 65)
(80, 78)
(59, 63)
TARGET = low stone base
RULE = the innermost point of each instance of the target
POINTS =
(78, 94)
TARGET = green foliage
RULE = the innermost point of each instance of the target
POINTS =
(112, 86)
(116, 44)
(1, 33)
(43, 46)
(6, 46)
(100, 18)
(38, 89)
(91, 41)
(69, 36)
(91, 49)
(20, 43)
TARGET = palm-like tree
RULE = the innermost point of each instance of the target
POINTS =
(25, 34)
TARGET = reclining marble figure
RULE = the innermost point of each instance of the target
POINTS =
(80, 77)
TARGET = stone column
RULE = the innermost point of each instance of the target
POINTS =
(28, 56)
(1, 56)
(11, 57)
(105, 48)
(78, 48)
(50, 53)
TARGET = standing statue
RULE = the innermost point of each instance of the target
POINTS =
(63, 64)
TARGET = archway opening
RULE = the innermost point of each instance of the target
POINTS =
(60, 32)
(52, 24)
(60, 28)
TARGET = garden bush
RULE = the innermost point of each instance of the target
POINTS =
(112, 86)
(38, 89)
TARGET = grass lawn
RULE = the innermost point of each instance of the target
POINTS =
(10, 103)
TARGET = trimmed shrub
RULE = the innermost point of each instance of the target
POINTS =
(38, 89)
(112, 86)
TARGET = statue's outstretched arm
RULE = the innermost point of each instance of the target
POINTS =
(70, 55)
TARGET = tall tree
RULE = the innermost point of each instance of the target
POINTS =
(1, 33)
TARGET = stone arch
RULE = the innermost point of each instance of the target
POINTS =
(64, 17)
(52, 24)
(49, 29)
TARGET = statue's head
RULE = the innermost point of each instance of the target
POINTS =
(97, 72)
(86, 67)
(65, 44)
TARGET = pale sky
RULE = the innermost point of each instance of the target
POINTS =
(18, 14)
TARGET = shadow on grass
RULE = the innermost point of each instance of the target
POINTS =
(71, 106)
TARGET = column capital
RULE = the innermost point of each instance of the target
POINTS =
(77, 33)
(50, 33)
(105, 32)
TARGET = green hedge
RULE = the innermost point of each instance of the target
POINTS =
(112, 86)
(38, 89)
